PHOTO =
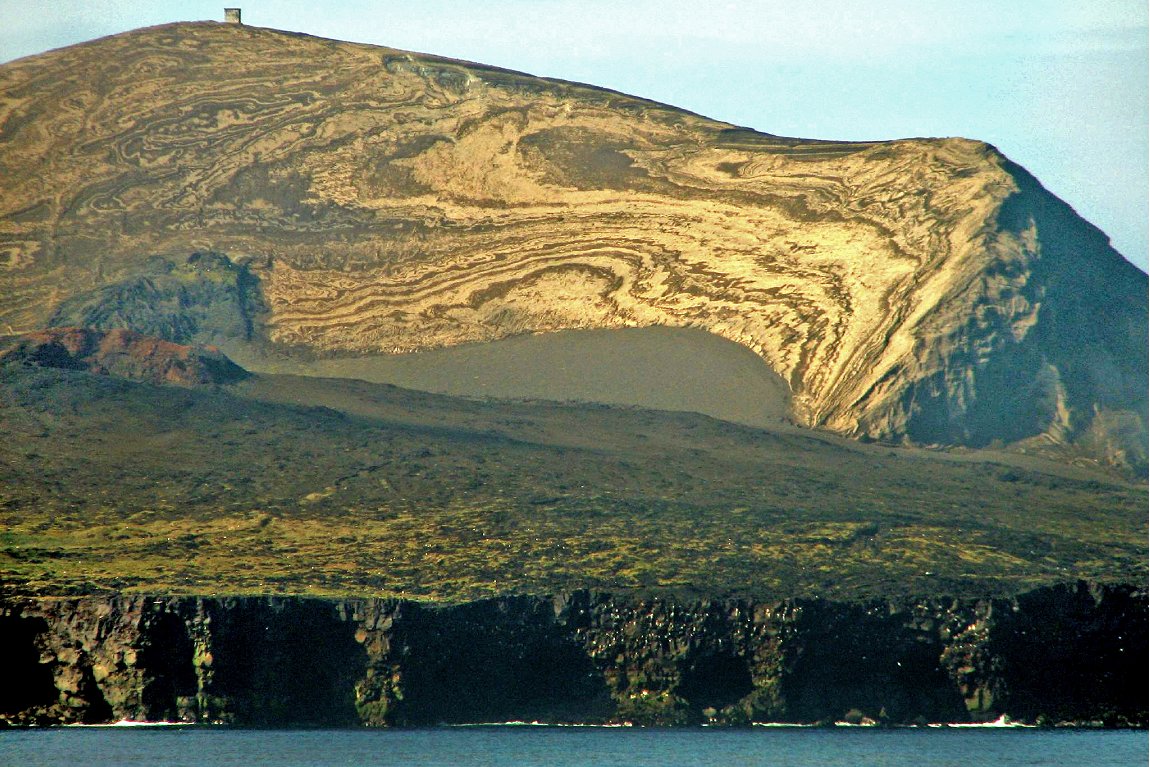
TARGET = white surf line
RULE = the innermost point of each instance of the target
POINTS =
(132, 723)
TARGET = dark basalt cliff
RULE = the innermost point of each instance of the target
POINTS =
(1071, 653)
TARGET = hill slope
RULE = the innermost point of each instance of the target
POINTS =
(280, 484)
(370, 200)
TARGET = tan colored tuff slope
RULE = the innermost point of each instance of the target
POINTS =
(390, 202)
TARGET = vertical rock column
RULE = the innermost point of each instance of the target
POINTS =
(277, 662)
(379, 692)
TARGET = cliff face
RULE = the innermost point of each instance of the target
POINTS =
(387, 201)
(1069, 653)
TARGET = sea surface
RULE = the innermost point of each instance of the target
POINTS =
(570, 747)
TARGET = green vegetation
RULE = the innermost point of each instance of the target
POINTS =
(107, 484)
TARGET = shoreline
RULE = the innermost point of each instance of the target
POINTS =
(1072, 654)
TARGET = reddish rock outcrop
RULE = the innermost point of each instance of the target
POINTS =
(123, 354)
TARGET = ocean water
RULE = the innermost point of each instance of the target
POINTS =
(570, 747)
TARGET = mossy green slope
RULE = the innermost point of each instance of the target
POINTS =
(114, 485)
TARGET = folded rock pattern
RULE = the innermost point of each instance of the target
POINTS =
(389, 202)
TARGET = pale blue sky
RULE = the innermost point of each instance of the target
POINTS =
(1060, 86)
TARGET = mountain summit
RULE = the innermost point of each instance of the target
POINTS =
(362, 200)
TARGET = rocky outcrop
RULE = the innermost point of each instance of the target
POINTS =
(1073, 653)
(123, 354)
(203, 299)
(921, 289)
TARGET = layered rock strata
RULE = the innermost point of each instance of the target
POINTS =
(1073, 653)
(925, 289)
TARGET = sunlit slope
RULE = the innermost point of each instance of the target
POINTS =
(383, 201)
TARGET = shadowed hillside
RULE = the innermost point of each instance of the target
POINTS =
(284, 484)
